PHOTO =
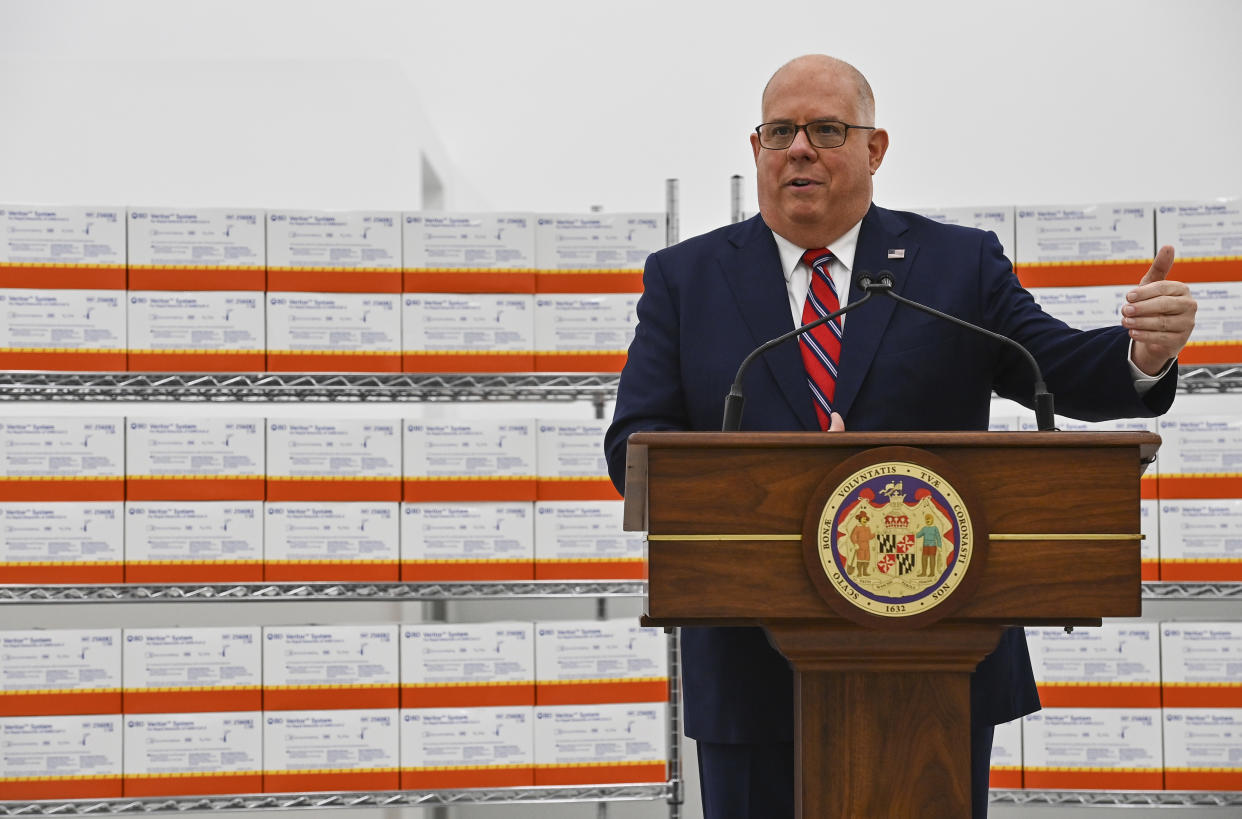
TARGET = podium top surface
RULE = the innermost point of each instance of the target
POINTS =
(1145, 440)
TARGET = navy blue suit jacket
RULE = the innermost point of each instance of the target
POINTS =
(708, 301)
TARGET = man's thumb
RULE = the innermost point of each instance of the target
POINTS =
(1160, 266)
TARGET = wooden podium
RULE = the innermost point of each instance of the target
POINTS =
(738, 535)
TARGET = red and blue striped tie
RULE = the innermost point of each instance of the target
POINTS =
(821, 347)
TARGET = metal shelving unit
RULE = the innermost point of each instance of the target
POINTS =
(1117, 799)
(251, 592)
(369, 799)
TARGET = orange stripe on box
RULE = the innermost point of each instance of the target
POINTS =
(1081, 274)
(484, 361)
(191, 700)
(1211, 352)
(518, 488)
(62, 787)
(195, 277)
(451, 570)
(593, 692)
(193, 784)
(71, 360)
(501, 776)
(332, 570)
(1150, 570)
(1212, 269)
(579, 362)
(294, 361)
(63, 276)
(1199, 695)
(1095, 779)
(1076, 695)
(206, 361)
(63, 573)
(281, 488)
(467, 696)
(1203, 779)
(1222, 485)
(468, 280)
(194, 487)
(330, 697)
(63, 489)
(1005, 777)
(193, 571)
(571, 489)
(600, 774)
(53, 703)
(1201, 571)
(589, 281)
(334, 280)
(635, 569)
(1148, 487)
(387, 779)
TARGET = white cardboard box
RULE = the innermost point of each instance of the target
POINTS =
(566, 241)
(183, 448)
(585, 322)
(469, 241)
(467, 664)
(586, 539)
(331, 750)
(1198, 444)
(327, 460)
(364, 240)
(194, 532)
(62, 447)
(999, 219)
(310, 533)
(1094, 232)
(63, 235)
(193, 753)
(467, 541)
(1203, 749)
(1208, 238)
(469, 460)
(193, 669)
(61, 542)
(1006, 765)
(318, 667)
(197, 322)
(1093, 749)
(339, 331)
(60, 671)
(580, 744)
(197, 238)
(1201, 664)
(571, 449)
(60, 757)
(594, 661)
(450, 748)
(444, 332)
(78, 325)
(1112, 665)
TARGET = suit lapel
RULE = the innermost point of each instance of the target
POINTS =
(752, 269)
(881, 232)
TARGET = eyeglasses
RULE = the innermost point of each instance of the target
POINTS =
(822, 133)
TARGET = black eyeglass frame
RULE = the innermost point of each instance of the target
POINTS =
(845, 133)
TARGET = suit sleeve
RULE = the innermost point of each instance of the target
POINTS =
(1087, 372)
(649, 396)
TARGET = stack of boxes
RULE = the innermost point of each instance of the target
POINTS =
(184, 711)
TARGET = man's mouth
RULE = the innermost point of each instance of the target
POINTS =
(802, 183)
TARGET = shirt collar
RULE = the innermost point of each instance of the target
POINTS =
(843, 249)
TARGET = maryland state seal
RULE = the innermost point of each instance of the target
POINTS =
(895, 539)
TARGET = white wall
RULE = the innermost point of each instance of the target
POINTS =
(559, 104)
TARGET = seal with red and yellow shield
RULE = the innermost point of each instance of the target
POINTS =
(895, 538)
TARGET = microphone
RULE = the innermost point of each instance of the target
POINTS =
(883, 283)
(735, 400)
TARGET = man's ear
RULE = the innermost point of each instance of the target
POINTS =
(877, 146)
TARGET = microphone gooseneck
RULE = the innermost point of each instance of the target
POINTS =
(1044, 414)
(735, 400)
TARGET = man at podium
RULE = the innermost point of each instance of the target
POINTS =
(710, 300)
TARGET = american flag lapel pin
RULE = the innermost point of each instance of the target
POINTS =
(897, 253)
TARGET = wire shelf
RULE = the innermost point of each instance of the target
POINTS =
(1114, 799)
(242, 592)
(1192, 591)
(377, 799)
(308, 387)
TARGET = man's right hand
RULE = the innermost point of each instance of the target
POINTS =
(837, 424)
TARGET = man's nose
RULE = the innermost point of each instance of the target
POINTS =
(801, 147)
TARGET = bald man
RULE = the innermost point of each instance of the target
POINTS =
(710, 300)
